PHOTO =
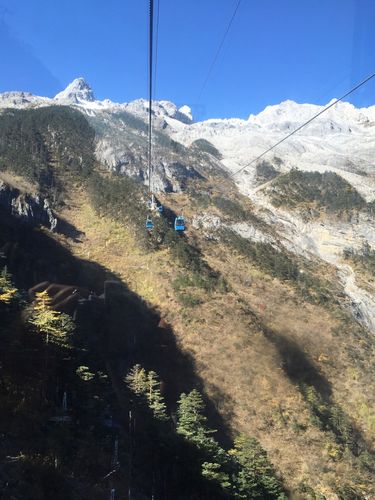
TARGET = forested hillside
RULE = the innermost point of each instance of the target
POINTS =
(81, 414)
(213, 364)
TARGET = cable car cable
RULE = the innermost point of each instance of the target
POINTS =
(156, 46)
(156, 53)
(303, 125)
(218, 52)
(151, 34)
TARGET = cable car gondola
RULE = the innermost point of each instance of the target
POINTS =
(149, 224)
(179, 223)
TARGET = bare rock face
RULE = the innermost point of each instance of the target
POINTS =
(33, 209)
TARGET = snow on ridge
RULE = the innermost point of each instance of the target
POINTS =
(282, 117)
(186, 110)
(76, 92)
(342, 111)
(341, 140)
(19, 99)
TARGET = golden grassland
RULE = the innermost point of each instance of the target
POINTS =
(251, 347)
(16, 181)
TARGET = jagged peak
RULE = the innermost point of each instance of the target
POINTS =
(76, 92)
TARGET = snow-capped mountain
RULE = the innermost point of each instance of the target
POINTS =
(341, 140)
(77, 92)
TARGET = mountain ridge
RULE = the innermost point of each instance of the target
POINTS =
(258, 295)
(342, 141)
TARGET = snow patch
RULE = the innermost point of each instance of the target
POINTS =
(186, 110)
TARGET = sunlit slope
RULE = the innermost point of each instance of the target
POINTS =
(261, 310)
(292, 372)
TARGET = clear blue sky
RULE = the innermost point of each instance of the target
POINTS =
(305, 50)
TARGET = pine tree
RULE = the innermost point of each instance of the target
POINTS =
(84, 373)
(147, 385)
(191, 420)
(136, 380)
(255, 476)
(54, 324)
(155, 399)
(7, 291)
(192, 424)
(214, 472)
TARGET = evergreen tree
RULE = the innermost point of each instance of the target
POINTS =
(191, 420)
(84, 373)
(136, 380)
(214, 472)
(192, 424)
(54, 324)
(7, 291)
(255, 476)
(155, 399)
(147, 385)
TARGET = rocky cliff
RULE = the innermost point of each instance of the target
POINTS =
(32, 209)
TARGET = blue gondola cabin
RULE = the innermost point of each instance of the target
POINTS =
(149, 224)
(179, 223)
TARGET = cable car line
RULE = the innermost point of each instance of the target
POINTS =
(154, 205)
(179, 223)
(218, 52)
(149, 224)
(156, 46)
(304, 125)
(151, 35)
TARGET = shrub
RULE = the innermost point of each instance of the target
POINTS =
(331, 417)
(265, 171)
(207, 147)
(43, 143)
(327, 190)
(279, 263)
(365, 257)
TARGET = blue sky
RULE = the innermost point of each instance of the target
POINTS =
(305, 50)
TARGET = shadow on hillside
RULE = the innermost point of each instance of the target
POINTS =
(127, 330)
(317, 392)
(297, 365)
(116, 329)
(169, 215)
(64, 227)
(33, 256)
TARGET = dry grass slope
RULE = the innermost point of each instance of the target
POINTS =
(256, 347)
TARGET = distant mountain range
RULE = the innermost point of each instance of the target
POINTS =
(341, 141)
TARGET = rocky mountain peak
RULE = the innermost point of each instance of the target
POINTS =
(76, 92)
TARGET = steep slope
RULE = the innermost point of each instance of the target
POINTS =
(259, 353)
(257, 300)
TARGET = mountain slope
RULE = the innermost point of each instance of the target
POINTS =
(261, 296)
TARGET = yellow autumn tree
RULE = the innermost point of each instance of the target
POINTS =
(56, 326)
(7, 291)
